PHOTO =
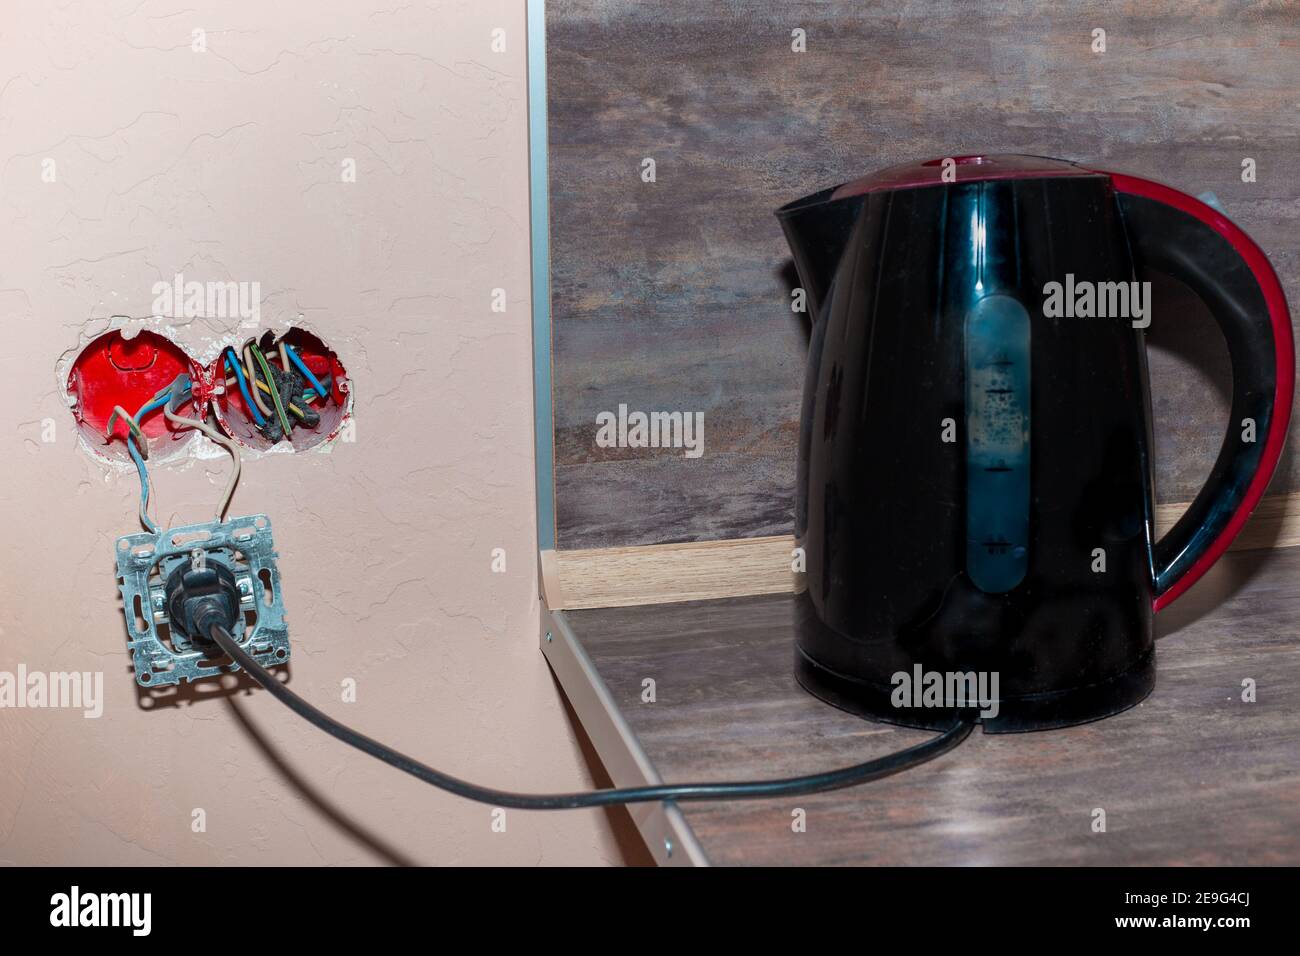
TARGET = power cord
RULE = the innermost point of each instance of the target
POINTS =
(210, 617)
(204, 600)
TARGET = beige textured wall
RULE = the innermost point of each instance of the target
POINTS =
(226, 165)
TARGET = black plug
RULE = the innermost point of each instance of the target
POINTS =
(201, 593)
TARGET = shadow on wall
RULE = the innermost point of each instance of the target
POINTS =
(336, 817)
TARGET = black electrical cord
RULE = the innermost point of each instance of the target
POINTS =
(789, 786)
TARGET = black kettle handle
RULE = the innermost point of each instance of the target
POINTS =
(1176, 234)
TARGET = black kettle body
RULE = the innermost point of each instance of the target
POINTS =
(975, 496)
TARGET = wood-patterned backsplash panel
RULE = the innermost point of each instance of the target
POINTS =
(673, 295)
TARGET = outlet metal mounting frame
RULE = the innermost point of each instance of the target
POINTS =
(245, 546)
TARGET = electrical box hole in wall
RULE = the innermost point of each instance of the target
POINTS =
(247, 411)
(117, 371)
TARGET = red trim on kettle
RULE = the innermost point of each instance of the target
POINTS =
(1283, 347)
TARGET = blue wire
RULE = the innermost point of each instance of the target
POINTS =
(243, 387)
(139, 461)
(302, 367)
(144, 485)
(154, 404)
(140, 468)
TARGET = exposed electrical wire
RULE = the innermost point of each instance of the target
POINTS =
(250, 370)
(210, 624)
(275, 394)
(289, 405)
(233, 363)
(180, 389)
(132, 426)
(253, 384)
(308, 395)
(286, 349)
(139, 454)
(143, 472)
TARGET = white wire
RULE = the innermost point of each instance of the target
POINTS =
(220, 439)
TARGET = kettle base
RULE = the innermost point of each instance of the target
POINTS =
(1048, 711)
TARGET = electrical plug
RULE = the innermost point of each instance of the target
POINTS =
(201, 593)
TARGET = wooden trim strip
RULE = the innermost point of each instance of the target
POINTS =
(703, 570)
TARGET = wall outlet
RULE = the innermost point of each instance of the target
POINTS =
(163, 654)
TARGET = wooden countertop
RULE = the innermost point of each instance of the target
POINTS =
(1192, 776)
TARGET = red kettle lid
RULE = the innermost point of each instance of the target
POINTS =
(968, 169)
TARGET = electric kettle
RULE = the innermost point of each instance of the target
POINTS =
(974, 491)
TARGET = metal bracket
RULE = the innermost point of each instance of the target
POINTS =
(665, 831)
(161, 654)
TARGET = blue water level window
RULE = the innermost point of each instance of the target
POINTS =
(997, 443)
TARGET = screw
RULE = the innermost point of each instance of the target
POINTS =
(548, 637)
(668, 847)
